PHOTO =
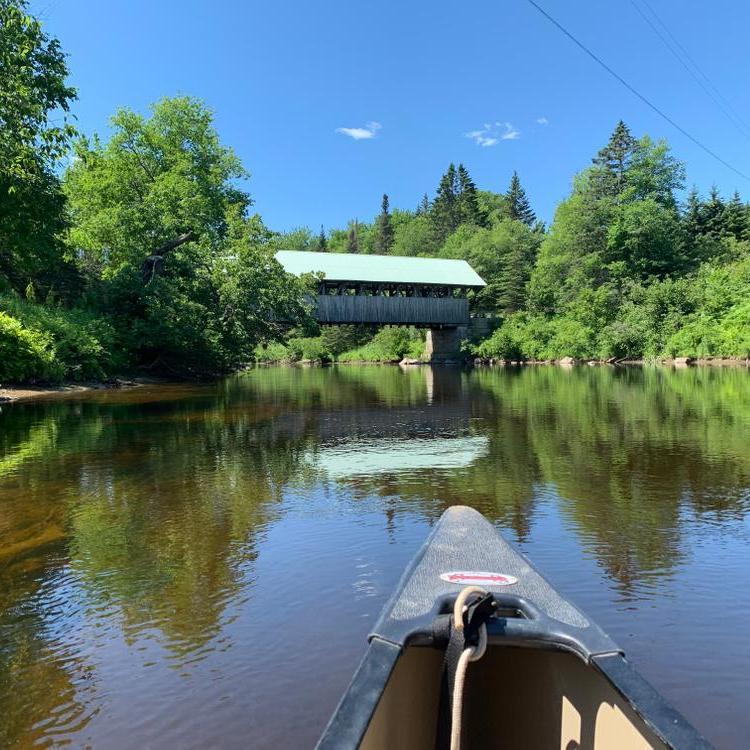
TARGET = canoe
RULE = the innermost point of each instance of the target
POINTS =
(475, 649)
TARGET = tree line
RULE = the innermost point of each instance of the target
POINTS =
(141, 251)
(625, 270)
(136, 253)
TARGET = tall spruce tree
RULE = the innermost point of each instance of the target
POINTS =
(322, 240)
(424, 206)
(468, 202)
(735, 219)
(445, 213)
(693, 230)
(516, 267)
(383, 229)
(712, 213)
(613, 160)
(693, 220)
(519, 207)
(352, 240)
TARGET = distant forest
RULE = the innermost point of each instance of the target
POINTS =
(141, 253)
(626, 270)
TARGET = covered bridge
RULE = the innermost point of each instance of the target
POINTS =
(387, 289)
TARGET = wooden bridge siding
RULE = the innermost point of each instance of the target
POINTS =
(427, 311)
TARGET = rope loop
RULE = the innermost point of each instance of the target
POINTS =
(469, 654)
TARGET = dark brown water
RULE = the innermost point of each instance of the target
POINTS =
(172, 558)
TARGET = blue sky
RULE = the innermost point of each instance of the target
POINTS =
(286, 79)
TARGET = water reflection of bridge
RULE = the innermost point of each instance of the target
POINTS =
(443, 410)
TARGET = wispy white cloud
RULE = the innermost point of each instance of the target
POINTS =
(542, 120)
(370, 130)
(491, 133)
(510, 134)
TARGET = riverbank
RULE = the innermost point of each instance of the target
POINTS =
(23, 392)
(677, 362)
(663, 362)
(9, 394)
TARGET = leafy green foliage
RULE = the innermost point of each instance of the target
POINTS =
(48, 343)
(34, 135)
(504, 257)
(415, 237)
(81, 344)
(619, 274)
(25, 354)
(162, 232)
(32, 73)
(388, 345)
(338, 339)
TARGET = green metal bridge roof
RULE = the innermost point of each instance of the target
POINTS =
(381, 269)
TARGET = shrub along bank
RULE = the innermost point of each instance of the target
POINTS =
(347, 344)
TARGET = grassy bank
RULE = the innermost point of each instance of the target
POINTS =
(347, 344)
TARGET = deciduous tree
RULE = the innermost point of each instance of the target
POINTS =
(35, 133)
(162, 231)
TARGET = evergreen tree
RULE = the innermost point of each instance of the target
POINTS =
(468, 203)
(735, 219)
(383, 229)
(445, 213)
(516, 266)
(322, 241)
(712, 214)
(693, 230)
(424, 206)
(519, 207)
(613, 160)
(693, 218)
(352, 240)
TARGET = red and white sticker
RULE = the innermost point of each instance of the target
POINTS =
(478, 578)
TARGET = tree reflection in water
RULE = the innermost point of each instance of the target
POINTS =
(140, 514)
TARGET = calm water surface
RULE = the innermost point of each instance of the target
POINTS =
(171, 558)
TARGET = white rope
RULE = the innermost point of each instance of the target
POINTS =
(473, 653)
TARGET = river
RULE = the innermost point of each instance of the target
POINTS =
(197, 566)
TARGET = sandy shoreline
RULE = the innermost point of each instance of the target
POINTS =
(24, 392)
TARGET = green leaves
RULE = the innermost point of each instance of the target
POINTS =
(157, 178)
(34, 135)
(161, 228)
(645, 236)
(619, 275)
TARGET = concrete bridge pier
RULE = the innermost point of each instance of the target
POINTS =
(444, 344)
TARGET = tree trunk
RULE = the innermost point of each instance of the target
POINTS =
(152, 263)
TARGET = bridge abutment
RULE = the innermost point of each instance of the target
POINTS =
(444, 344)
